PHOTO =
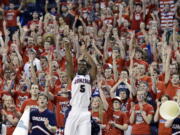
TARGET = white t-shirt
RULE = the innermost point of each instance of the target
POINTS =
(36, 62)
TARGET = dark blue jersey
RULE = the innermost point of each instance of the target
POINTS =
(176, 125)
(37, 120)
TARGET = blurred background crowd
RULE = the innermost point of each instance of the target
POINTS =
(134, 43)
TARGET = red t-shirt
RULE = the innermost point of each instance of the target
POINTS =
(20, 97)
(10, 127)
(161, 77)
(11, 16)
(145, 79)
(97, 115)
(160, 87)
(108, 82)
(119, 118)
(162, 130)
(140, 126)
(62, 104)
(170, 90)
(119, 62)
(4, 92)
(33, 22)
(33, 103)
(136, 21)
(4, 2)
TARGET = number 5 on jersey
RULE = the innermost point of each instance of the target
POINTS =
(82, 88)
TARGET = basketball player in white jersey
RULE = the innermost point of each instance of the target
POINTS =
(79, 119)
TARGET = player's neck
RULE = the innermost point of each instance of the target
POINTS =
(80, 73)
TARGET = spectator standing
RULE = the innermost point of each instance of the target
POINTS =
(141, 115)
(43, 121)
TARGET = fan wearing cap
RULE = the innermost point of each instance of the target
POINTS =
(118, 121)
(42, 120)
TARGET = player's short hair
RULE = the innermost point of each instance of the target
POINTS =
(43, 94)
(88, 65)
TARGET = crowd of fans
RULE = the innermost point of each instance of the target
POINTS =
(134, 43)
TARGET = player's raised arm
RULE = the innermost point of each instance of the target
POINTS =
(93, 69)
(69, 61)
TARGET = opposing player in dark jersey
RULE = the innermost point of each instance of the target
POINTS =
(79, 119)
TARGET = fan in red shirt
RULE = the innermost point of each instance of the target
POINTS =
(118, 121)
(98, 112)
(125, 101)
(35, 19)
(61, 101)
(172, 86)
(141, 35)
(32, 102)
(62, 105)
(11, 18)
(137, 15)
(10, 114)
(108, 77)
(141, 115)
(4, 2)
(172, 80)
(157, 86)
(162, 129)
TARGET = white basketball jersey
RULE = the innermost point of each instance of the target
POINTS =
(81, 91)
